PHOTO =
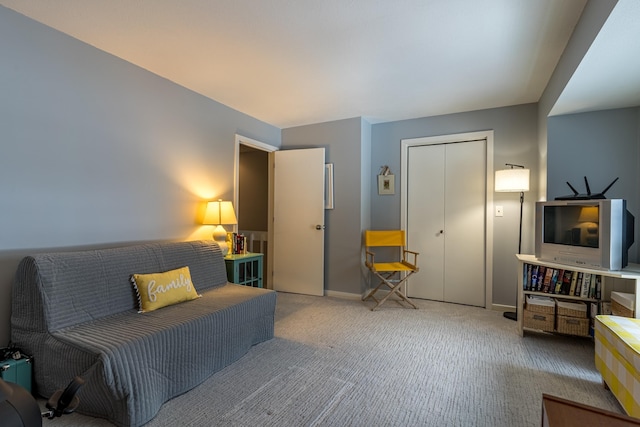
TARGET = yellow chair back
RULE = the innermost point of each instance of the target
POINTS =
(384, 238)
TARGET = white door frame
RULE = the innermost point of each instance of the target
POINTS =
(236, 199)
(444, 139)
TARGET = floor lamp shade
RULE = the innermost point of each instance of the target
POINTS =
(220, 213)
(512, 180)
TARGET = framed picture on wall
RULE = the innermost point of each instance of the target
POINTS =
(386, 184)
(328, 186)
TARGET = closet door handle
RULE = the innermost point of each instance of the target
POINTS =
(441, 232)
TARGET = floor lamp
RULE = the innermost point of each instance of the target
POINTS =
(513, 180)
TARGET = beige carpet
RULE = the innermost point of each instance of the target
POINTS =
(336, 363)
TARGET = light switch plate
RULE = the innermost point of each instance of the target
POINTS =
(499, 210)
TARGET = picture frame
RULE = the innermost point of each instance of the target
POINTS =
(386, 184)
(328, 186)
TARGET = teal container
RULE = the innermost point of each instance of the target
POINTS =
(17, 372)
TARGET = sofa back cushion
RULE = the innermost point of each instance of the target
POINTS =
(52, 291)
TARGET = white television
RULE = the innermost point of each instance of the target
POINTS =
(587, 233)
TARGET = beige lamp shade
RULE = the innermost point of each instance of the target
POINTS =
(588, 214)
(219, 213)
(512, 180)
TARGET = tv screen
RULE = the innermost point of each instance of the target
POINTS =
(573, 225)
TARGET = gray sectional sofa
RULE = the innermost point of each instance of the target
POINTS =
(76, 314)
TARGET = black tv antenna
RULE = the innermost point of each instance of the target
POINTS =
(588, 195)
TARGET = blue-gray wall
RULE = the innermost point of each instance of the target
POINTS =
(602, 146)
(94, 150)
(515, 139)
(346, 144)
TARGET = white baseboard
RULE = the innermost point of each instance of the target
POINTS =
(502, 307)
(345, 295)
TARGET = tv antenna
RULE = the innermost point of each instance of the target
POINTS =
(587, 195)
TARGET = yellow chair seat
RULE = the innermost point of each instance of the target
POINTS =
(392, 266)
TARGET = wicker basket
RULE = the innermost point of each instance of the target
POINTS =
(539, 308)
(571, 309)
(618, 309)
(541, 321)
(573, 325)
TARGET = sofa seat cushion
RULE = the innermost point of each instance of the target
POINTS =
(133, 363)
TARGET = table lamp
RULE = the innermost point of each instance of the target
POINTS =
(220, 213)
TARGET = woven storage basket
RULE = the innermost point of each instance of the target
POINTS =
(540, 308)
(618, 309)
(541, 321)
(623, 304)
(571, 309)
(573, 325)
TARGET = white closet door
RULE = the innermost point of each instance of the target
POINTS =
(464, 202)
(425, 219)
(446, 193)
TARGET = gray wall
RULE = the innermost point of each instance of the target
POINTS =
(600, 145)
(345, 143)
(94, 150)
(515, 140)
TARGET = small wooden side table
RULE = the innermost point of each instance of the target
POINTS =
(558, 412)
(244, 269)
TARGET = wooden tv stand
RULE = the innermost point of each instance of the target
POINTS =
(625, 280)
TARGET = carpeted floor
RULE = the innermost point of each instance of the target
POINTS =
(333, 362)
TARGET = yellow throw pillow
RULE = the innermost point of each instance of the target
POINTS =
(157, 290)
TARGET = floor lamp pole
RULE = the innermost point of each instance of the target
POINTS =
(520, 235)
(510, 314)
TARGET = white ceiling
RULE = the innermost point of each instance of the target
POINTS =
(296, 62)
(609, 74)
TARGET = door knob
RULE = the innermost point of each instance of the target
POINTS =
(441, 231)
(319, 227)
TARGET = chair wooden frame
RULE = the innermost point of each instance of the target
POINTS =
(387, 271)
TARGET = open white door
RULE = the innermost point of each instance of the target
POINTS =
(298, 221)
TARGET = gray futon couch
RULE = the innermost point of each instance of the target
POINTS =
(76, 314)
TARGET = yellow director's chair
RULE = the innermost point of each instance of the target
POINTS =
(392, 274)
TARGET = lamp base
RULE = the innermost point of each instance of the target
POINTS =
(220, 237)
(510, 315)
